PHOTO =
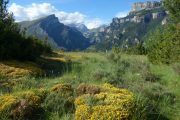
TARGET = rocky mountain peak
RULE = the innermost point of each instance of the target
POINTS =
(80, 27)
(51, 18)
(145, 5)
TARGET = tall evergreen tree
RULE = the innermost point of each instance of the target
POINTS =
(6, 18)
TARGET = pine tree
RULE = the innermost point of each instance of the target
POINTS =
(6, 18)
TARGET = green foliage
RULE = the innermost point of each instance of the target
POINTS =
(13, 45)
(156, 88)
(60, 100)
(138, 49)
(163, 45)
(22, 105)
(174, 9)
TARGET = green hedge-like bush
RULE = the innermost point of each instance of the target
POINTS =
(15, 46)
(163, 45)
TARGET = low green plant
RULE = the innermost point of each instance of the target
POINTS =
(60, 100)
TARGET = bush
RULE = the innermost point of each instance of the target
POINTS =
(163, 45)
(15, 46)
(110, 103)
(173, 8)
(24, 105)
(60, 100)
(87, 89)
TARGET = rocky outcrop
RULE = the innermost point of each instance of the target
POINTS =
(132, 29)
(145, 5)
(165, 20)
(139, 17)
(80, 27)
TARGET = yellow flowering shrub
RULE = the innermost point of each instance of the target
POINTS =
(87, 89)
(6, 102)
(14, 69)
(21, 104)
(64, 87)
(30, 97)
(110, 104)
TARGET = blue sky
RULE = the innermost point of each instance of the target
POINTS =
(101, 11)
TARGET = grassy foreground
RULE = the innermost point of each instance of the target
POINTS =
(64, 85)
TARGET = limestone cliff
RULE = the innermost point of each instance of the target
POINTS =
(146, 5)
(135, 27)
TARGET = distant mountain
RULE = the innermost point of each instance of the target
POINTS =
(58, 34)
(96, 35)
(134, 28)
(81, 27)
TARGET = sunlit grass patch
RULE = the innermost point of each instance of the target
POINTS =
(14, 69)
(58, 59)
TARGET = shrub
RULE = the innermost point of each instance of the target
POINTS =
(62, 87)
(22, 105)
(60, 99)
(114, 56)
(141, 108)
(15, 46)
(163, 45)
(87, 89)
(110, 103)
(173, 8)
(100, 74)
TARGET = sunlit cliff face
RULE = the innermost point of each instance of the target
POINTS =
(145, 5)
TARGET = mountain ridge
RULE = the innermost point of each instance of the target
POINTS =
(132, 29)
(58, 34)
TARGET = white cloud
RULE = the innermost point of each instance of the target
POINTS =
(35, 11)
(122, 14)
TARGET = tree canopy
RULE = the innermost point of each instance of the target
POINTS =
(13, 44)
(163, 44)
(173, 6)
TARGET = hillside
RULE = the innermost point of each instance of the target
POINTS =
(58, 34)
(103, 82)
(132, 29)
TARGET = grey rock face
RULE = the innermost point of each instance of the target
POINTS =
(145, 5)
(81, 27)
(57, 33)
(134, 28)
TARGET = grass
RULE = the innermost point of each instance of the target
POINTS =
(155, 86)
